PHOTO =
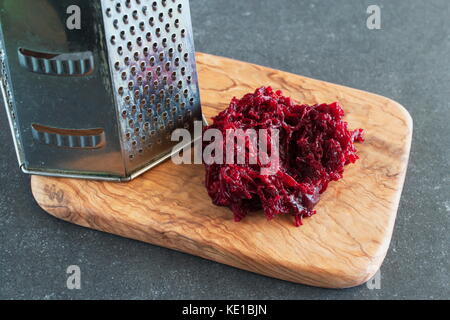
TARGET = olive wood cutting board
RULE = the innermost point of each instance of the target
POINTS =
(343, 245)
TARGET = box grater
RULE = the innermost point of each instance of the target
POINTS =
(94, 88)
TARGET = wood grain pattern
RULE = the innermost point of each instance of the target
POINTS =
(342, 246)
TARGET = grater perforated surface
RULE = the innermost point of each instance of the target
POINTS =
(152, 62)
(5, 88)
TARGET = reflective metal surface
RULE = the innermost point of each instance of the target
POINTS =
(152, 62)
(129, 72)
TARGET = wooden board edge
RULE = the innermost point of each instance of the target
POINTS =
(303, 276)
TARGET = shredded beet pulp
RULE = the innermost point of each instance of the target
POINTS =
(314, 146)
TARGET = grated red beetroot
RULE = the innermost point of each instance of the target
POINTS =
(314, 146)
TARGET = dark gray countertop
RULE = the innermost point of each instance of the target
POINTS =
(408, 60)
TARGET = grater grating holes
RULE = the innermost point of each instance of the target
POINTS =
(143, 79)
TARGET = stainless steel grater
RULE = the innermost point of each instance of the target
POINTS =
(101, 99)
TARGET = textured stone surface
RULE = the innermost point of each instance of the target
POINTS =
(408, 60)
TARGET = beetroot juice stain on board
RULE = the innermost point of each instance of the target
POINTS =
(314, 146)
